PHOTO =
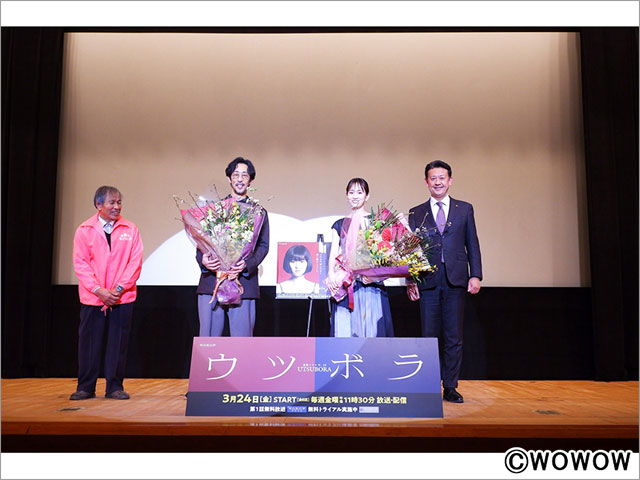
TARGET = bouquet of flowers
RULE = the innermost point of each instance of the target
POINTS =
(378, 246)
(228, 231)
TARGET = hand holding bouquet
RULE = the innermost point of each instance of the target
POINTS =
(378, 246)
(226, 232)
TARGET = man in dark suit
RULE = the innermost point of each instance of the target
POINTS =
(451, 229)
(240, 173)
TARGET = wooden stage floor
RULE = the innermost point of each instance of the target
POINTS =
(37, 416)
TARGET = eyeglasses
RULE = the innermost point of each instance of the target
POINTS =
(237, 176)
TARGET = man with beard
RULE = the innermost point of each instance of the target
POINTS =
(240, 173)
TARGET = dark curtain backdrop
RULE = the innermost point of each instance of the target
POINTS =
(510, 333)
(31, 86)
(609, 58)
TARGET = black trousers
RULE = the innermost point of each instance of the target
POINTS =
(94, 324)
(442, 316)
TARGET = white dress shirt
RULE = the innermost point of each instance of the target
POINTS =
(104, 222)
(446, 202)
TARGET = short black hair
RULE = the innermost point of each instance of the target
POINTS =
(360, 182)
(436, 164)
(297, 253)
(234, 163)
(101, 194)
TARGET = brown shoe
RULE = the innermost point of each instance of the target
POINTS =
(118, 395)
(81, 395)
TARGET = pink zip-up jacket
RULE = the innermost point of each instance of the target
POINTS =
(98, 266)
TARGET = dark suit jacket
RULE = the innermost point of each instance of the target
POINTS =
(459, 241)
(249, 276)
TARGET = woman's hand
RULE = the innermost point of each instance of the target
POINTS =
(412, 291)
(332, 283)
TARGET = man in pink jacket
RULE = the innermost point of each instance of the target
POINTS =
(107, 258)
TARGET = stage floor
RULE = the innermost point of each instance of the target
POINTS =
(37, 416)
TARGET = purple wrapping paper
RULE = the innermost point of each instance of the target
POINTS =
(382, 273)
(377, 274)
(229, 292)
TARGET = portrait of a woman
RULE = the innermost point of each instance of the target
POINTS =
(297, 262)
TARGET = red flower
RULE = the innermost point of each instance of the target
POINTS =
(384, 246)
(387, 234)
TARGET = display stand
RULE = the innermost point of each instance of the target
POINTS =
(311, 309)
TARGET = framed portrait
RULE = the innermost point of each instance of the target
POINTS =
(302, 269)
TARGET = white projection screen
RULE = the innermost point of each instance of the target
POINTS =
(162, 114)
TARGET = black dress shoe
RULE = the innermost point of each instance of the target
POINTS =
(118, 395)
(451, 395)
(81, 395)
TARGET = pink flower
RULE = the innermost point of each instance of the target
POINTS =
(398, 229)
(385, 214)
(227, 202)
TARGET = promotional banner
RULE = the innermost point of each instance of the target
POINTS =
(319, 377)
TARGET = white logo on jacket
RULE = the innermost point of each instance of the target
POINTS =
(125, 236)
